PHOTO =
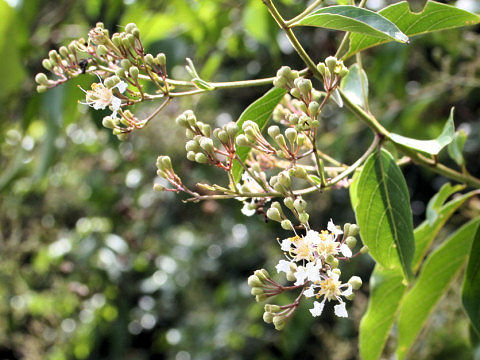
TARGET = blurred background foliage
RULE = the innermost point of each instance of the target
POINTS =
(95, 265)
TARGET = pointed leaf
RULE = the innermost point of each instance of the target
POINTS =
(354, 19)
(355, 84)
(471, 285)
(383, 213)
(432, 147)
(386, 291)
(436, 202)
(438, 271)
(434, 17)
(259, 111)
(455, 148)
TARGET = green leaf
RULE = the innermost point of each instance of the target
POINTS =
(383, 213)
(471, 285)
(432, 147)
(355, 84)
(436, 202)
(259, 111)
(437, 273)
(434, 17)
(455, 148)
(426, 233)
(354, 19)
(353, 190)
(386, 291)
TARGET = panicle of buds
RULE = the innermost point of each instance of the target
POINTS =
(332, 70)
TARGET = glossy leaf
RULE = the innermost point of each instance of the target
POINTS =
(354, 19)
(437, 273)
(471, 285)
(437, 201)
(455, 148)
(386, 291)
(425, 233)
(259, 111)
(354, 85)
(432, 147)
(383, 213)
(434, 17)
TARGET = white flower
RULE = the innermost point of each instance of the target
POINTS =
(348, 291)
(309, 292)
(317, 308)
(246, 210)
(286, 245)
(99, 97)
(312, 237)
(283, 265)
(345, 250)
(313, 271)
(300, 275)
(340, 310)
(333, 229)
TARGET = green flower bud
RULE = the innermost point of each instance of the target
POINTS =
(254, 281)
(41, 79)
(158, 187)
(289, 203)
(365, 249)
(102, 50)
(291, 276)
(149, 59)
(280, 82)
(280, 140)
(41, 88)
(222, 136)
(130, 27)
(331, 63)
(122, 136)
(321, 68)
(351, 242)
(354, 230)
(300, 204)
(333, 263)
(53, 56)
(286, 225)
(242, 140)
(250, 134)
(63, 51)
(313, 107)
(262, 274)
(108, 122)
(191, 155)
(337, 272)
(305, 86)
(284, 179)
(232, 129)
(201, 158)
(291, 135)
(47, 64)
(303, 217)
(189, 134)
(117, 40)
(133, 71)
(274, 214)
(356, 282)
(126, 64)
(207, 145)
(161, 58)
(295, 93)
(279, 322)
(268, 317)
(260, 298)
(300, 172)
(272, 308)
(350, 297)
(192, 145)
(273, 131)
(285, 72)
(111, 81)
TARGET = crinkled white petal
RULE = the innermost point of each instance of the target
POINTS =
(313, 271)
(300, 275)
(341, 310)
(247, 211)
(286, 245)
(115, 103)
(317, 308)
(309, 292)
(97, 105)
(346, 250)
(348, 291)
(121, 86)
(312, 237)
(283, 265)
(333, 229)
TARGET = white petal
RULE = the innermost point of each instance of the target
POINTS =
(312, 237)
(346, 250)
(115, 103)
(300, 275)
(348, 291)
(286, 245)
(333, 229)
(283, 265)
(121, 86)
(317, 308)
(309, 292)
(313, 271)
(340, 310)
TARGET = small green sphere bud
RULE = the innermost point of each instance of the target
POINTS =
(130, 27)
(47, 64)
(354, 230)
(41, 88)
(273, 131)
(222, 136)
(346, 229)
(117, 40)
(41, 79)
(242, 140)
(192, 145)
(300, 172)
(162, 60)
(268, 317)
(313, 107)
(166, 162)
(102, 50)
(201, 158)
(291, 276)
(63, 51)
(158, 187)
(300, 205)
(53, 56)
(207, 145)
(133, 71)
(262, 274)
(287, 225)
(334, 263)
(289, 203)
(120, 72)
(331, 63)
(284, 179)
(280, 82)
(191, 155)
(232, 129)
(205, 128)
(305, 86)
(280, 140)
(272, 308)
(351, 242)
(149, 59)
(337, 272)
(365, 249)
(343, 71)
(108, 122)
(291, 135)
(254, 281)
(321, 68)
(285, 72)
(111, 81)
(182, 121)
(356, 282)
(126, 64)
(296, 93)
(274, 214)
(303, 217)
(260, 298)
(279, 322)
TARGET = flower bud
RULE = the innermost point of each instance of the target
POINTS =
(303, 217)
(350, 297)
(353, 230)
(130, 27)
(260, 298)
(291, 135)
(300, 204)
(288, 203)
(158, 187)
(47, 64)
(111, 81)
(41, 79)
(279, 322)
(192, 145)
(273, 131)
(268, 317)
(313, 107)
(300, 172)
(295, 93)
(102, 50)
(280, 140)
(41, 88)
(365, 249)
(272, 308)
(63, 51)
(356, 282)
(201, 158)
(207, 145)
(232, 129)
(337, 272)
(284, 179)
(305, 87)
(331, 63)
(108, 122)
(321, 68)
(280, 82)
(149, 59)
(256, 291)
(254, 281)
(122, 136)
(291, 276)
(161, 58)
(222, 136)
(191, 155)
(117, 40)
(287, 225)
(133, 71)
(351, 242)
(274, 214)
(262, 274)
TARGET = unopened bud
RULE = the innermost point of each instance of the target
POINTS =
(273, 131)
(158, 187)
(232, 129)
(303, 217)
(287, 225)
(149, 59)
(356, 282)
(201, 158)
(337, 272)
(291, 135)
(47, 64)
(242, 140)
(133, 71)
(300, 172)
(108, 122)
(280, 140)
(130, 27)
(262, 274)
(254, 281)
(289, 203)
(353, 230)
(191, 155)
(102, 50)
(260, 298)
(41, 79)
(161, 58)
(268, 317)
(256, 291)
(291, 276)
(300, 204)
(274, 214)
(279, 322)
(207, 145)
(351, 242)
(331, 63)
(365, 249)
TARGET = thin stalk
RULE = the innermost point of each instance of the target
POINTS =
(304, 13)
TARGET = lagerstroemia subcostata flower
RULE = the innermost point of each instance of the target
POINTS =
(100, 96)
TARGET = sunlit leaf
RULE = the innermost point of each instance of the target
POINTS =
(355, 84)
(471, 285)
(383, 213)
(434, 17)
(436, 202)
(432, 147)
(455, 148)
(354, 19)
